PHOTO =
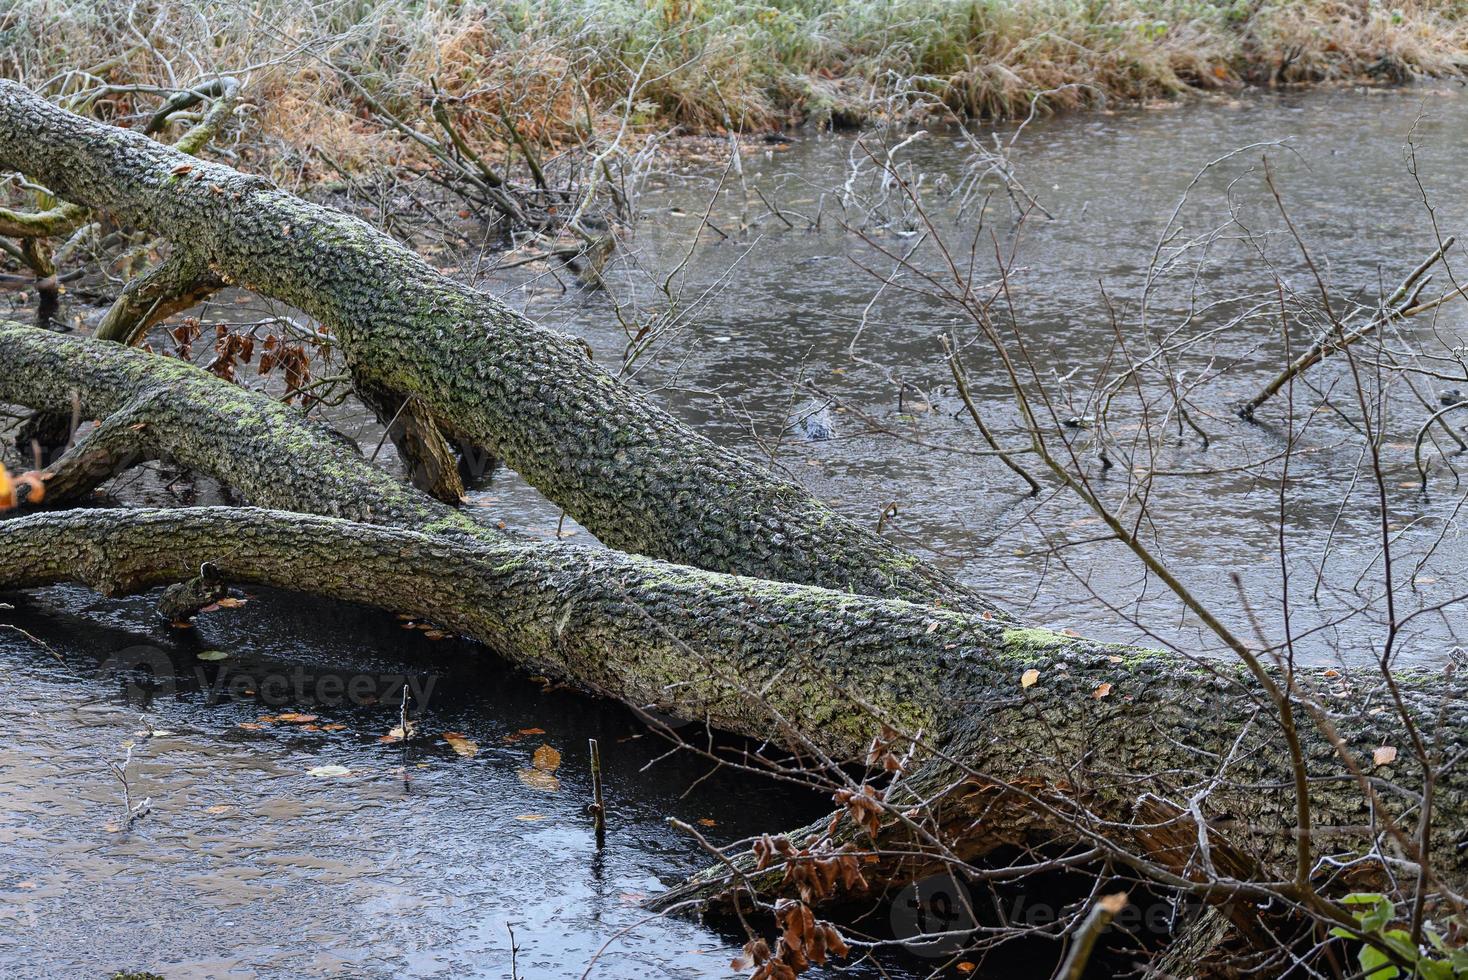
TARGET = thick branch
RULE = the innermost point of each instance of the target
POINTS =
(266, 450)
(178, 282)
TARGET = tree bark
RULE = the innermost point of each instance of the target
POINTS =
(634, 476)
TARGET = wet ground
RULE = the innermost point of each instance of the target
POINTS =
(308, 846)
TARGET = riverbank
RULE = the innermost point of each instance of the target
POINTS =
(561, 70)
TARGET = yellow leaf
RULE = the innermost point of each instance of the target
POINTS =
(546, 758)
(7, 490)
(219, 808)
(965, 967)
(531, 816)
(466, 747)
(539, 779)
(1102, 690)
(1029, 678)
(1384, 756)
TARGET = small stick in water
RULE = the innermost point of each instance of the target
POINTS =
(597, 809)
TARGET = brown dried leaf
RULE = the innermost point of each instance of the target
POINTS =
(1029, 678)
(539, 779)
(465, 747)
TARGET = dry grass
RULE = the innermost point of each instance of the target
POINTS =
(557, 67)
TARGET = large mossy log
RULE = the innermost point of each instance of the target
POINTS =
(822, 673)
(825, 672)
(631, 473)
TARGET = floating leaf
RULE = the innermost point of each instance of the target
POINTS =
(531, 816)
(296, 717)
(539, 779)
(1102, 690)
(1385, 755)
(545, 761)
(231, 602)
(466, 747)
(326, 771)
(251, 726)
(219, 808)
(706, 822)
(213, 655)
(1029, 678)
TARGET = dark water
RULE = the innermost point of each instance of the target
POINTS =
(418, 862)
(788, 305)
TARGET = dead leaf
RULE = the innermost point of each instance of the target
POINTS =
(546, 758)
(539, 779)
(531, 816)
(706, 822)
(1102, 690)
(333, 728)
(1384, 756)
(231, 602)
(219, 808)
(296, 718)
(250, 726)
(181, 169)
(465, 747)
(965, 967)
(1029, 678)
(329, 771)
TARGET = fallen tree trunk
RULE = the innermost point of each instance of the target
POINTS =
(634, 476)
(823, 673)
